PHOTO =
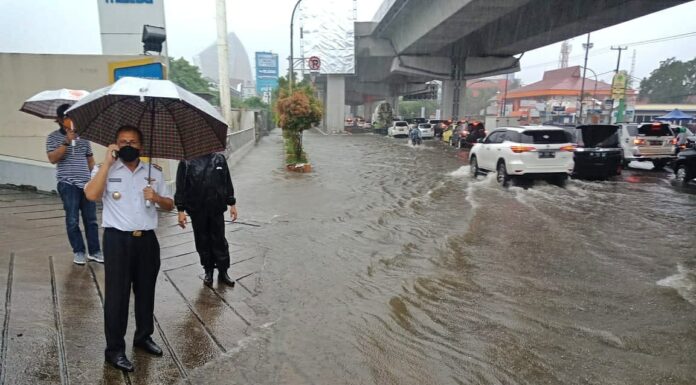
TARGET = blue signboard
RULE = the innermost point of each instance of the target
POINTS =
(266, 72)
(147, 71)
(130, 1)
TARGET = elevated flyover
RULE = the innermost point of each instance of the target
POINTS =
(411, 42)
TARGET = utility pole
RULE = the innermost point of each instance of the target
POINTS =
(504, 107)
(587, 47)
(618, 64)
(223, 62)
(292, 53)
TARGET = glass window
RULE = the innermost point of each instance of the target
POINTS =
(545, 137)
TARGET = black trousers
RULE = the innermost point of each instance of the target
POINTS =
(209, 235)
(129, 260)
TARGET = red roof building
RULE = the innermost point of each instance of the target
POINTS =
(562, 88)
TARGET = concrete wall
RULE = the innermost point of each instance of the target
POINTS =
(335, 102)
(23, 136)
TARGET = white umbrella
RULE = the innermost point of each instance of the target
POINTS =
(45, 103)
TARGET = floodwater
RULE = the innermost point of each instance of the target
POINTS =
(389, 265)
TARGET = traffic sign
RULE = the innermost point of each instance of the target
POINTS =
(314, 63)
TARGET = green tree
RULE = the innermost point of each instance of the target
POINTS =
(673, 82)
(187, 76)
(255, 102)
(412, 108)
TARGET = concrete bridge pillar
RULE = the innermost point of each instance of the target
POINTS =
(453, 96)
(335, 102)
(394, 101)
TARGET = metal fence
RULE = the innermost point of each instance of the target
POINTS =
(239, 139)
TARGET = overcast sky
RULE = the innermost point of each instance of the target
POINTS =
(72, 26)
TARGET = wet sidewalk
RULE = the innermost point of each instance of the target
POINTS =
(52, 323)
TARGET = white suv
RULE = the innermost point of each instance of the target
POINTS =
(398, 128)
(654, 142)
(531, 151)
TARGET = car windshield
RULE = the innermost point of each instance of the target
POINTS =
(425, 126)
(655, 130)
(602, 136)
(545, 137)
(401, 124)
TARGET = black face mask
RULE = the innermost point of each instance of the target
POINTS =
(128, 153)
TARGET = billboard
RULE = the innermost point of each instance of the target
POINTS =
(266, 74)
(121, 24)
(328, 33)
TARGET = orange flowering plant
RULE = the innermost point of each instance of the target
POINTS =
(295, 113)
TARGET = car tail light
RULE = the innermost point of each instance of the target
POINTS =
(521, 149)
(568, 148)
(638, 142)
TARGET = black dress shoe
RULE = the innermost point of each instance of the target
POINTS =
(208, 279)
(224, 278)
(149, 346)
(120, 362)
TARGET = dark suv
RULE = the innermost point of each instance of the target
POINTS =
(685, 165)
(598, 153)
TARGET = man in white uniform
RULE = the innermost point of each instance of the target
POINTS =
(131, 250)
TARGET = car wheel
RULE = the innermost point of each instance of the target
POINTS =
(659, 164)
(682, 175)
(502, 176)
(560, 180)
(473, 167)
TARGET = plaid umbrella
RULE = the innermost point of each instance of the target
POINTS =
(45, 103)
(175, 123)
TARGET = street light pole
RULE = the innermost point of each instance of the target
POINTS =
(291, 76)
(587, 47)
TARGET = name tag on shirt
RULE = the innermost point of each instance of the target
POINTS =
(114, 179)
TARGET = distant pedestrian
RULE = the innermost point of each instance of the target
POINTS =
(204, 190)
(131, 249)
(74, 161)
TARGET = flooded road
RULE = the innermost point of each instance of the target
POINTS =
(390, 265)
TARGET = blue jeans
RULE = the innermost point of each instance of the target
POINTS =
(74, 201)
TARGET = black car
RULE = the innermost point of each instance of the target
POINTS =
(685, 165)
(598, 154)
(439, 126)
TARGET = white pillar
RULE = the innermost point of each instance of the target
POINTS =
(223, 61)
(335, 102)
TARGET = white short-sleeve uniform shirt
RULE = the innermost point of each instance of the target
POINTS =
(124, 204)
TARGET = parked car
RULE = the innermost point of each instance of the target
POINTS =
(685, 165)
(426, 130)
(653, 142)
(598, 153)
(398, 128)
(529, 151)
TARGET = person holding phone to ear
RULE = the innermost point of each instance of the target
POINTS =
(74, 161)
(131, 249)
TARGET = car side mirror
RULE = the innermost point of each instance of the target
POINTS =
(479, 140)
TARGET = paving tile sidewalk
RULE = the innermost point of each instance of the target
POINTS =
(51, 309)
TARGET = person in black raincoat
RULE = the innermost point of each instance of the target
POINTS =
(204, 190)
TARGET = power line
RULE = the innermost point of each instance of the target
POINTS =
(605, 50)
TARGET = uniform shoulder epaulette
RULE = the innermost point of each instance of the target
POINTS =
(157, 166)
